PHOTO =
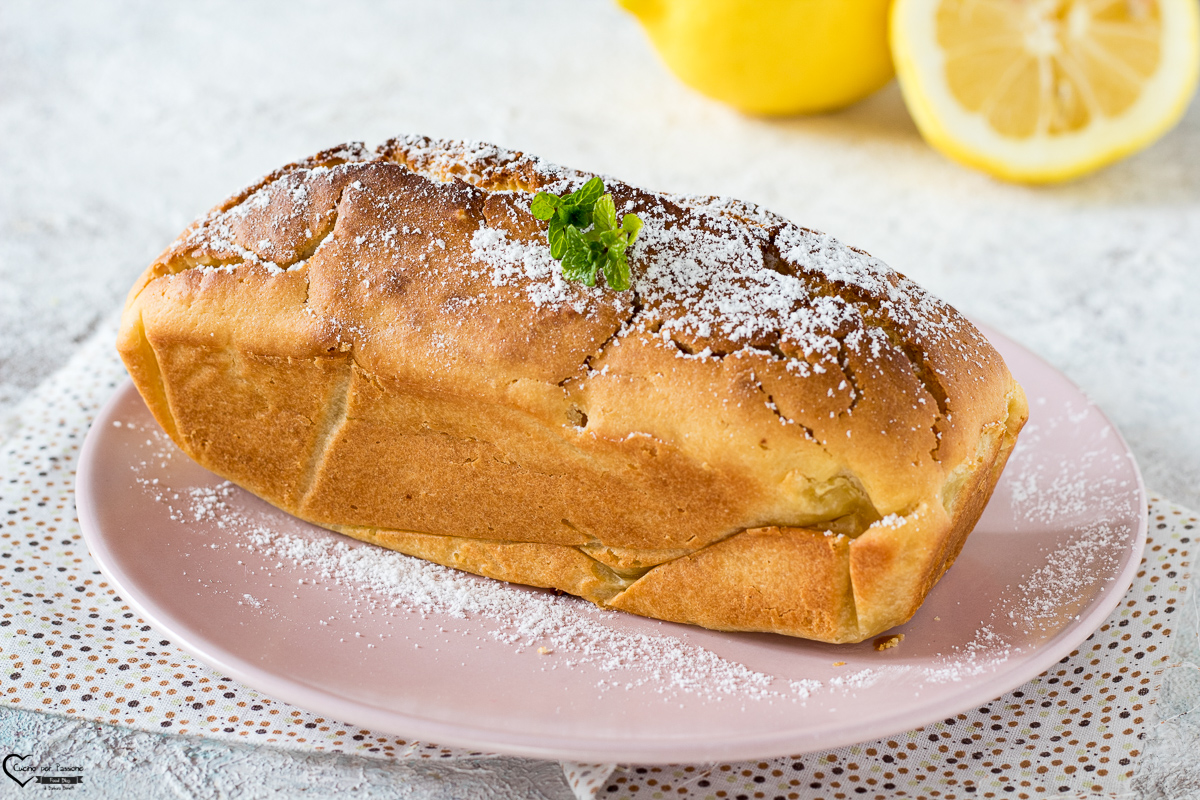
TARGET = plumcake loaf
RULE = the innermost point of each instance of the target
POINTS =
(770, 431)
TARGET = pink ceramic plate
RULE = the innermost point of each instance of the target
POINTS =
(387, 642)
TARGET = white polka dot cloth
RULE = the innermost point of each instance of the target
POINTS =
(69, 645)
(1081, 728)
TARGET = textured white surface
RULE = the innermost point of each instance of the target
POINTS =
(122, 121)
(134, 765)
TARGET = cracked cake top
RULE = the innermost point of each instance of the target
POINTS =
(422, 259)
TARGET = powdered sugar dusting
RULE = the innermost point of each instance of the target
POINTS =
(527, 264)
(1083, 497)
(983, 653)
(708, 267)
(479, 163)
(217, 240)
(1088, 493)
(252, 601)
(523, 619)
(1056, 587)
(711, 276)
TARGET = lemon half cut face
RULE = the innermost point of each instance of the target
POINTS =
(1045, 90)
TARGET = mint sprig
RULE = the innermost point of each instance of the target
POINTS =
(584, 234)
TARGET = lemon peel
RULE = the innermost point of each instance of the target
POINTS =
(772, 57)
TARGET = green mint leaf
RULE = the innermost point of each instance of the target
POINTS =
(557, 234)
(604, 216)
(599, 253)
(575, 239)
(579, 216)
(544, 205)
(588, 194)
(578, 247)
(578, 264)
(609, 239)
(583, 234)
(616, 270)
(632, 225)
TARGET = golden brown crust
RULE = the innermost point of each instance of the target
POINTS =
(783, 580)
(771, 432)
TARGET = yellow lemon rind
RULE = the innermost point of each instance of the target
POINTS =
(772, 58)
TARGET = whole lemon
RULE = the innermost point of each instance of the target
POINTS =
(773, 56)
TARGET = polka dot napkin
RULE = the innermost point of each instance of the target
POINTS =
(69, 645)
(1083, 728)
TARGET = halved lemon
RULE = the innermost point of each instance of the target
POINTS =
(1045, 90)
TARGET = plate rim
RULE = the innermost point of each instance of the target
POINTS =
(563, 747)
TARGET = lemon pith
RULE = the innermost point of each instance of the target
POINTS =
(772, 56)
(1045, 90)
